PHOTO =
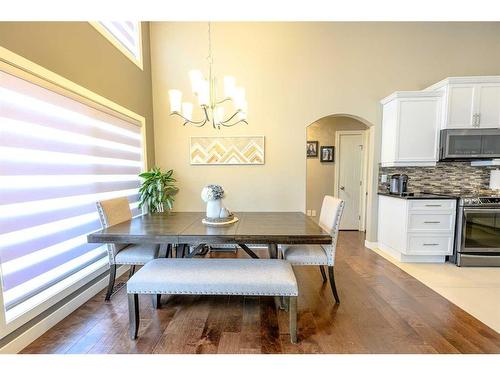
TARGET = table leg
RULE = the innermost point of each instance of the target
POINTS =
(197, 250)
(248, 251)
(273, 250)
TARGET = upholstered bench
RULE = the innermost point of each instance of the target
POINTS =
(247, 277)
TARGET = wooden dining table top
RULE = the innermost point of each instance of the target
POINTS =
(187, 228)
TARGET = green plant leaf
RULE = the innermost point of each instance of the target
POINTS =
(157, 189)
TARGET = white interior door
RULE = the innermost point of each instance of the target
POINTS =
(349, 162)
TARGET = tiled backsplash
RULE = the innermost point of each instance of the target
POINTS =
(446, 177)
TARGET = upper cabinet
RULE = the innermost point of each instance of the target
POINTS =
(469, 102)
(412, 120)
(410, 128)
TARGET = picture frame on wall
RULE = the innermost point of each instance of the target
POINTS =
(327, 154)
(312, 149)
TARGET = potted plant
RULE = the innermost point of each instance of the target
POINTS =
(157, 190)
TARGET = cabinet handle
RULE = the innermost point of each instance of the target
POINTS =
(431, 222)
(431, 244)
(476, 120)
(432, 205)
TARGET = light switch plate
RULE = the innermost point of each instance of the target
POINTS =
(383, 178)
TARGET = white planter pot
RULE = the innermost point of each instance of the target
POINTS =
(213, 208)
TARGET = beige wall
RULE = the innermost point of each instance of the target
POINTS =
(78, 52)
(295, 74)
(321, 176)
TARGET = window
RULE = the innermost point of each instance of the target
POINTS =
(124, 35)
(59, 154)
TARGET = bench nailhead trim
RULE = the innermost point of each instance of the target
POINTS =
(210, 293)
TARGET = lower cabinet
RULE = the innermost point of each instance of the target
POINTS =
(416, 230)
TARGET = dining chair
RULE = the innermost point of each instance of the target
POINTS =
(320, 255)
(112, 212)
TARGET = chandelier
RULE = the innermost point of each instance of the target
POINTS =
(213, 108)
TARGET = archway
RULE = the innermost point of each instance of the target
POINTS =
(339, 151)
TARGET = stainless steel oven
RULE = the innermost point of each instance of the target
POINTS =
(469, 144)
(478, 232)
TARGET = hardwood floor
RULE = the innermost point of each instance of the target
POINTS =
(382, 310)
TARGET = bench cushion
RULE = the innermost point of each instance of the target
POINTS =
(249, 277)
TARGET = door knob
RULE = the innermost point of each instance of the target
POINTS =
(342, 188)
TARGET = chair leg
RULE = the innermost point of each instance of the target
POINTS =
(111, 284)
(292, 303)
(132, 271)
(164, 250)
(156, 301)
(332, 284)
(323, 274)
(133, 315)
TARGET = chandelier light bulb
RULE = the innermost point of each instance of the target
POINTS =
(239, 97)
(242, 115)
(229, 86)
(175, 97)
(204, 93)
(187, 110)
(196, 77)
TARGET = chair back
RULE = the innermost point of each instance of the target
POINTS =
(329, 220)
(114, 211)
(111, 212)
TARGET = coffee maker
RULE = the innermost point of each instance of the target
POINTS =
(398, 184)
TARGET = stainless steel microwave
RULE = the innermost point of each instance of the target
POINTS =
(469, 144)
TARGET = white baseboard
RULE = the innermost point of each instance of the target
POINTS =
(30, 335)
(404, 258)
(371, 245)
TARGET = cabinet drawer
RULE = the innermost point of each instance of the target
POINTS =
(430, 222)
(432, 204)
(430, 245)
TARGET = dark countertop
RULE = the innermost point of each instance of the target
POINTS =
(418, 196)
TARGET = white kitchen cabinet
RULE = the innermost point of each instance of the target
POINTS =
(416, 230)
(469, 102)
(410, 128)
(488, 105)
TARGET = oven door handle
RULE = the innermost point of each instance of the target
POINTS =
(480, 210)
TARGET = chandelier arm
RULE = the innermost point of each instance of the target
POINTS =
(223, 101)
(230, 118)
(198, 124)
(234, 123)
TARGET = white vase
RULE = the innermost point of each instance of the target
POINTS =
(213, 208)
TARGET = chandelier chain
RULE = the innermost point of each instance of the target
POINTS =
(209, 57)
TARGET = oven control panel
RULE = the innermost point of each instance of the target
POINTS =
(481, 201)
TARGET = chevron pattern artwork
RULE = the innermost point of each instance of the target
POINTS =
(227, 150)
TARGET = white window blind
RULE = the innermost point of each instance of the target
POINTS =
(58, 156)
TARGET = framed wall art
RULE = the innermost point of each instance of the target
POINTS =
(312, 149)
(235, 150)
(327, 154)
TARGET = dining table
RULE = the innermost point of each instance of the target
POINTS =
(185, 230)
